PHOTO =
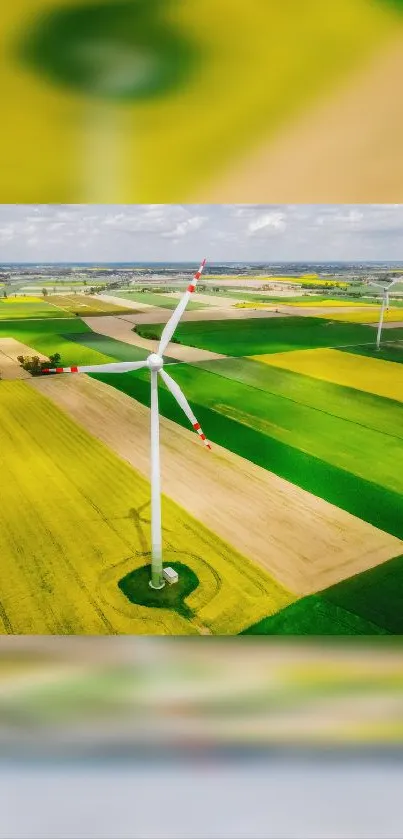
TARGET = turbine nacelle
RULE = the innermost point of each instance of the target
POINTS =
(155, 362)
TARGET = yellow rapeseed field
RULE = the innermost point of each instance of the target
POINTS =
(333, 303)
(373, 375)
(254, 305)
(368, 315)
(74, 520)
(21, 299)
(304, 304)
(309, 279)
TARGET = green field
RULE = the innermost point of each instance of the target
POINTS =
(310, 430)
(256, 336)
(21, 309)
(314, 615)
(73, 340)
(49, 337)
(390, 350)
(56, 283)
(160, 300)
(375, 595)
(110, 347)
(366, 604)
(355, 406)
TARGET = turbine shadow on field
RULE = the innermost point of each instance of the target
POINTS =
(136, 515)
(139, 520)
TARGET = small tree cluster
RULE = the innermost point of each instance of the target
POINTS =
(35, 366)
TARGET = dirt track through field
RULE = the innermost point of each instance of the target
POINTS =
(391, 325)
(231, 314)
(122, 330)
(156, 316)
(10, 349)
(122, 301)
(209, 299)
(303, 541)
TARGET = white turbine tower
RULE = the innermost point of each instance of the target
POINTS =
(384, 307)
(155, 364)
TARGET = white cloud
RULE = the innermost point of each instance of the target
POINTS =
(267, 223)
(7, 233)
(28, 229)
(185, 227)
(351, 217)
(150, 232)
(57, 225)
(152, 221)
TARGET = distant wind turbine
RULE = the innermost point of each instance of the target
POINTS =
(155, 364)
(384, 307)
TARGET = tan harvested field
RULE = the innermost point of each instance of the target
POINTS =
(162, 315)
(122, 330)
(81, 304)
(209, 299)
(10, 349)
(123, 301)
(302, 541)
(390, 325)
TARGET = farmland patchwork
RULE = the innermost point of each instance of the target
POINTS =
(303, 408)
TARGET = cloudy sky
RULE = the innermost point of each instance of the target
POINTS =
(175, 232)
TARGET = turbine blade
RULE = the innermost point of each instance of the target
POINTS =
(184, 404)
(118, 367)
(171, 325)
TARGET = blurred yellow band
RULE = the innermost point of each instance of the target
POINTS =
(262, 62)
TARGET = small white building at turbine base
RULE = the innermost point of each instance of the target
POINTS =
(170, 575)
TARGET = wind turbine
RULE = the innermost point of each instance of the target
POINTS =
(155, 364)
(384, 306)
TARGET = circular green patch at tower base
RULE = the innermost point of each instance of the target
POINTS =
(136, 587)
